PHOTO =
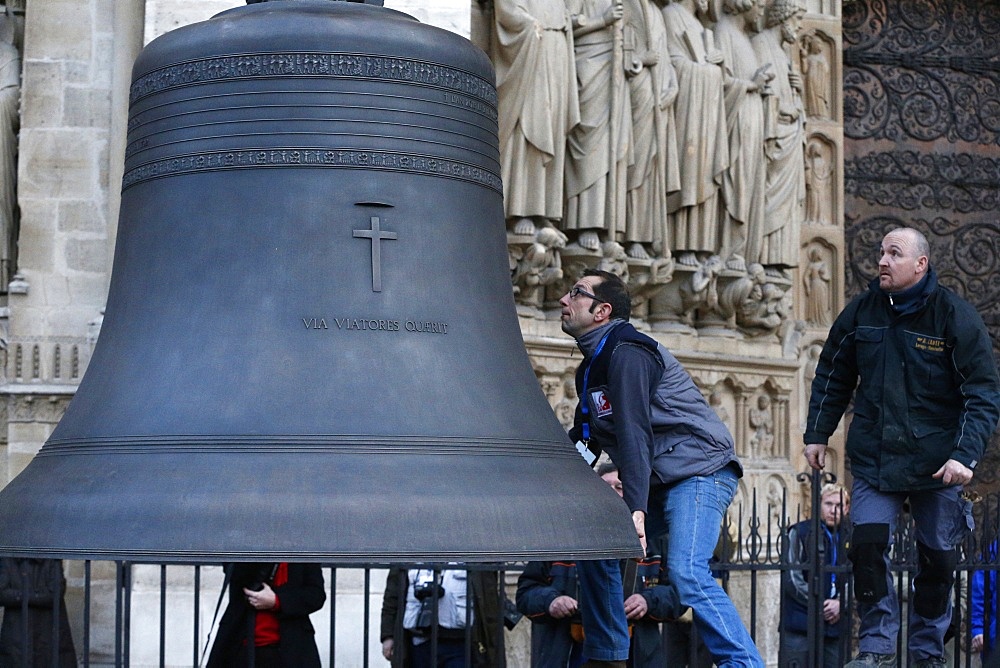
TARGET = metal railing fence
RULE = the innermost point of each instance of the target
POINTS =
(133, 614)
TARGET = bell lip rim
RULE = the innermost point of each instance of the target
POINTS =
(341, 559)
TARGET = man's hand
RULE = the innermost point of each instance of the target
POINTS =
(639, 520)
(831, 610)
(636, 606)
(562, 606)
(387, 649)
(816, 455)
(977, 642)
(954, 473)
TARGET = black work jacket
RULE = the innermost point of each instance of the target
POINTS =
(924, 384)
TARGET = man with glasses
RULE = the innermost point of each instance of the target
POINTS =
(677, 464)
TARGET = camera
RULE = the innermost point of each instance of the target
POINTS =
(428, 593)
(263, 573)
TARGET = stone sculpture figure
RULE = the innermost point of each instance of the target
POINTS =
(652, 90)
(762, 422)
(537, 96)
(753, 303)
(10, 123)
(614, 260)
(699, 111)
(816, 70)
(700, 289)
(745, 82)
(715, 401)
(565, 408)
(539, 266)
(598, 147)
(816, 284)
(819, 174)
(785, 136)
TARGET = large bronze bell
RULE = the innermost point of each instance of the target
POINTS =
(310, 349)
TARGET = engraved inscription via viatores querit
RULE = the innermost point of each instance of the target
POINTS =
(311, 157)
(375, 325)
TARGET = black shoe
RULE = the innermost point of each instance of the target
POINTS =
(873, 660)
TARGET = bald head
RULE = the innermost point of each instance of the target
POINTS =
(904, 258)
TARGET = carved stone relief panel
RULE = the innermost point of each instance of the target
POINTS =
(640, 173)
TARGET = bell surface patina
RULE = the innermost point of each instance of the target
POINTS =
(310, 349)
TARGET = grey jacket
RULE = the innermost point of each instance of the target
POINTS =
(647, 413)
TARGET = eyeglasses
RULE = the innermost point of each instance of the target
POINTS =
(576, 291)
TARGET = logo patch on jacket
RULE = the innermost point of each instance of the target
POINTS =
(602, 405)
(929, 343)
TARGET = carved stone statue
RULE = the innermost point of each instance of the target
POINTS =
(785, 135)
(816, 70)
(701, 289)
(816, 284)
(692, 223)
(762, 422)
(539, 266)
(614, 259)
(775, 501)
(598, 147)
(753, 303)
(743, 184)
(10, 123)
(565, 408)
(715, 402)
(819, 174)
(533, 57)
(652, 90)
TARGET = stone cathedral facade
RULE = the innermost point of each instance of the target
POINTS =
(713, 186)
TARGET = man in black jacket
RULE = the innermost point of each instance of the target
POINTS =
(917, 361)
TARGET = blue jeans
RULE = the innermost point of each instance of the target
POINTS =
(450, 654)
(602, 610)
(691, 512)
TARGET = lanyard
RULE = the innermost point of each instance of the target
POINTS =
(584, 402)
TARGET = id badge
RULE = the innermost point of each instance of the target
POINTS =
(588, 455)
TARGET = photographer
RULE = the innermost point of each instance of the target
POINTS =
(408, 616)
(270, 604)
